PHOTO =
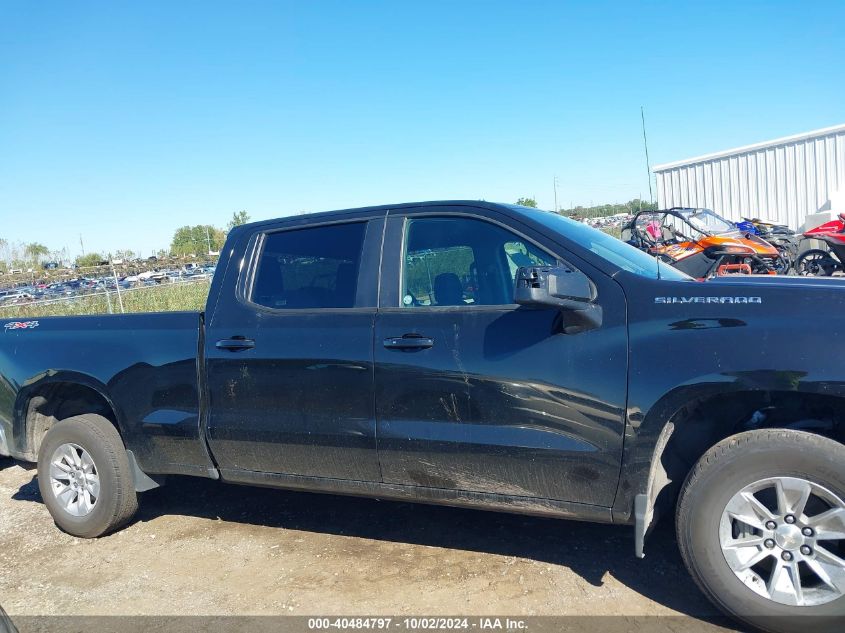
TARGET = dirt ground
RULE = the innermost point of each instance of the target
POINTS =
(203, 548)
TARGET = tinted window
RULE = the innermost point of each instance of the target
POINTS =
(310, 268)
(461, 261)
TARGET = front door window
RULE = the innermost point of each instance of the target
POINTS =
(452, 262)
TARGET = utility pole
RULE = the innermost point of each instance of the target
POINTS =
(116, 287)
(208, 239)
(647, 163)
(555, 186)
(81, 244)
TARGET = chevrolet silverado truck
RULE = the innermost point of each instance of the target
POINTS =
(469, 354)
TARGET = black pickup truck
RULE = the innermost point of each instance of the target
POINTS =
(472, 354)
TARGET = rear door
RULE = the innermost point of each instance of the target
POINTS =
(290, 357)
(476, 393)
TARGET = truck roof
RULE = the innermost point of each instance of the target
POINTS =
(340, 213)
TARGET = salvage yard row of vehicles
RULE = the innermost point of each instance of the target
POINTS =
(472, 354)
(703, 244)
(81, 286)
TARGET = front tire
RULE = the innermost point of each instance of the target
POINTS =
(761, 528)
(815, 263)
(85, 478)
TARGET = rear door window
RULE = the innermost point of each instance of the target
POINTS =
(310, 268)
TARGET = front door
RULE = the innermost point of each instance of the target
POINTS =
(476, 393)
(290, 356)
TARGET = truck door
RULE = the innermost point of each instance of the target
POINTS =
(289, 354)
(476, 393)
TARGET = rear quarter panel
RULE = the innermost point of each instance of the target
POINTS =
(145, 365)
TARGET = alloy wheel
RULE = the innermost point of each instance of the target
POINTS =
(74, 479)
(784, 538)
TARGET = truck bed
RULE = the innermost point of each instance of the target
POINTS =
(156, 398)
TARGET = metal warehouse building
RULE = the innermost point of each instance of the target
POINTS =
(783, 180)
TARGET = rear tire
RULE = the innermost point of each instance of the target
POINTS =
(85, 478)
(749, 569)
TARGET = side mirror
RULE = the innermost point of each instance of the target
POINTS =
(559, 287)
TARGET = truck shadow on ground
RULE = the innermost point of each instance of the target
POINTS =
(589, 550)
(7, 462)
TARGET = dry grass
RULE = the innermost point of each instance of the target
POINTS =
(164, 298)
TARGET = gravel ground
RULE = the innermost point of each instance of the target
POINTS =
(203, 548)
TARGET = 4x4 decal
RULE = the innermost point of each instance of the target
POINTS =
(20, 325)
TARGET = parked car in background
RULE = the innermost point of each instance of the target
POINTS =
(15, 296)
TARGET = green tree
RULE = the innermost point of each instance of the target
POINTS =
(238, 218)
(90, 259)
(527, 202)
(196, 240)
(35, 251)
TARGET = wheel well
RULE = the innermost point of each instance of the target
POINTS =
(700, 424)
(55, 402)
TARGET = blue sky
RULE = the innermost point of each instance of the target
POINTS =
(123, 121)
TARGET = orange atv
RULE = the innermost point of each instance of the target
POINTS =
(700, 243)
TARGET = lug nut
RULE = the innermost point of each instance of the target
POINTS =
(771, 525)
(786, 556)
(807, 531)
(769, 543)
(805, 549)
(789, 518)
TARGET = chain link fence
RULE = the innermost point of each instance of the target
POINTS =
(167, 296)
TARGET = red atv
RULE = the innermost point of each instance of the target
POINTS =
(823, 263)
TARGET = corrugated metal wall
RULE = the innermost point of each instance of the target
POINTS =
(781, 181)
